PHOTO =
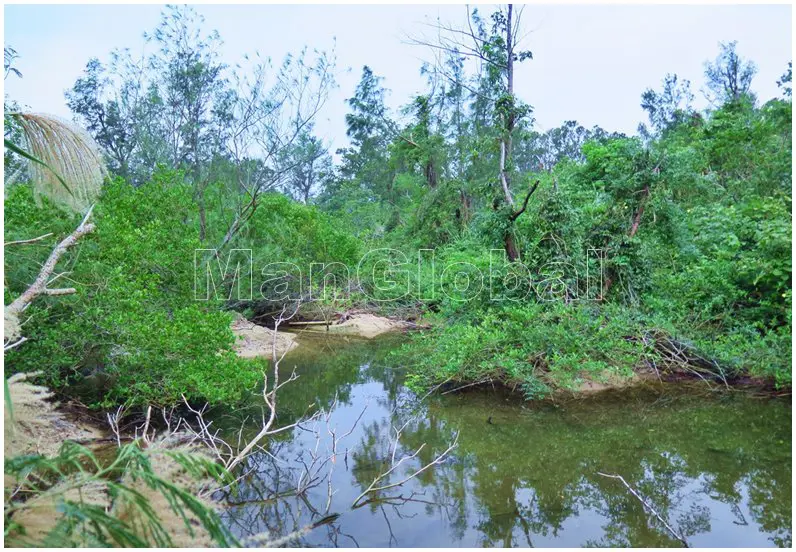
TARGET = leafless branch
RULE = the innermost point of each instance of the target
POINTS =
(31, 240)
(376, 485)
(113, 422)
(517, 214)
(39, 286)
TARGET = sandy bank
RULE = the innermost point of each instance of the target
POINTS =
(356, 324)
(255, 341)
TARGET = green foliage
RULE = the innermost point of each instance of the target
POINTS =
(690, 223)
(695, 227)
(536, 346)
(285, 231)
(133, 324)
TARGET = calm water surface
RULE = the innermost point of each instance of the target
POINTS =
(716, 466)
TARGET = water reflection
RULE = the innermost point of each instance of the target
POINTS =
(717, 468)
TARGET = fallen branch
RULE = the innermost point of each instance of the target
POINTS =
(374, 485)
(39, 286)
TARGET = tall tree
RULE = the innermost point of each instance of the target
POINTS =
(496, 50)
(729, 76)
(304, 165)
(111, 125)
(668, 107)
(370, 131)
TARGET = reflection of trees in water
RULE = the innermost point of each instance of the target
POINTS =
(391, 473)
(771, 507)
(532, 472)
(533, 469)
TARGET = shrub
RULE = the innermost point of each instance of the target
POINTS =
(133, 323)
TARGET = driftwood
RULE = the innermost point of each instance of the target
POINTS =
(39, 286)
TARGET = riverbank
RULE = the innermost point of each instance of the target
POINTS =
(675, 361)
(542, 348)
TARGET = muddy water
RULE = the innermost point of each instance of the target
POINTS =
(715, 466)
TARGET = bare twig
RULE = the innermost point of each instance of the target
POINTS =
(375, 487)
(516, 214)
(31, 240)
(113, 421)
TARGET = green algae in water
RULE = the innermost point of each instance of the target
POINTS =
(716, 465)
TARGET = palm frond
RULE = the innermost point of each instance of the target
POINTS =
(68, 168)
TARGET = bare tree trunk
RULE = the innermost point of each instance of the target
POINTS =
(465, 208)
(512, 252)
(202, 219)
(431, 174)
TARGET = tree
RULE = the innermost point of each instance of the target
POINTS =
(367, 124)
(544, 150)
(266, 120)
(668, 107)
(178, 106)
(785, 81)
(111, 125)
(729, 76)
(305, 164)
(496, 50)
(365, 164)
(419, 145)
(194, 93)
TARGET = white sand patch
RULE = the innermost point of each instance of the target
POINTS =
(255, 341)
(360, 324)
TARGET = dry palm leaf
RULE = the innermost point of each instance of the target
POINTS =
(68, 168)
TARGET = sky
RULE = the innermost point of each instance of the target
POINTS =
(590, 63)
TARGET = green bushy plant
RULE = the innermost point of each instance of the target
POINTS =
(134, 322)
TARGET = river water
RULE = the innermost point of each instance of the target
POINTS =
(715, 466)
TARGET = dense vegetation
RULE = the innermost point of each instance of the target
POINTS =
(690, 221)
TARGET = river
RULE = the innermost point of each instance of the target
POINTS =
(714, 465)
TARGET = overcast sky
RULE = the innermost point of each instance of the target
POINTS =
(591, 63)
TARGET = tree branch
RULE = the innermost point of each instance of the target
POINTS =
(31, 240)
(517, 214)
(39, 286)
(647, 506)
